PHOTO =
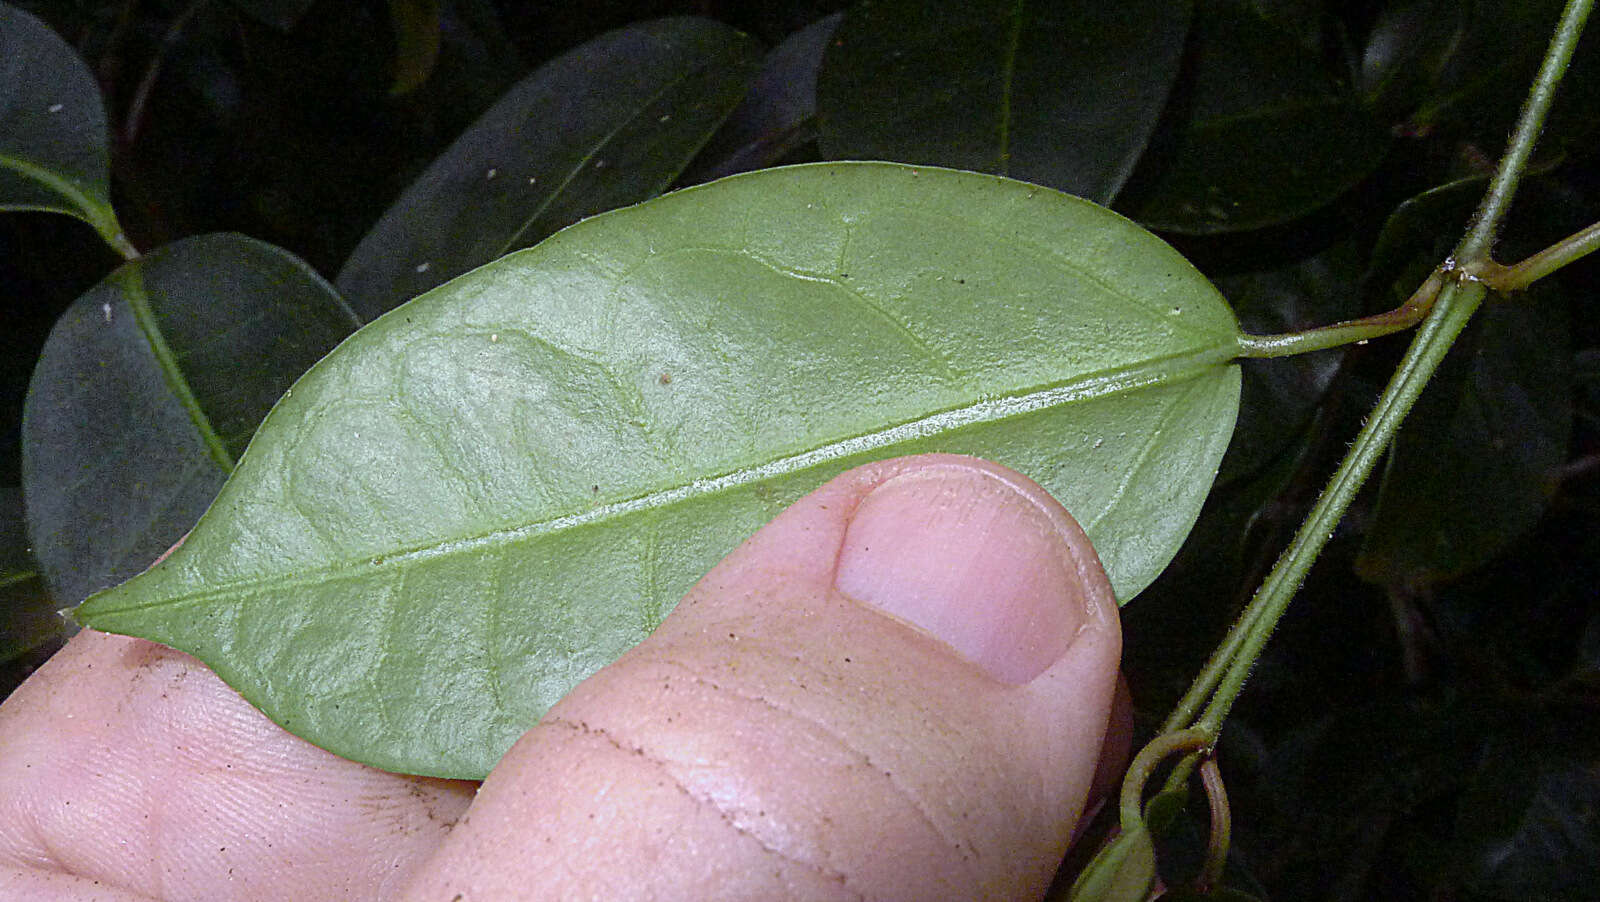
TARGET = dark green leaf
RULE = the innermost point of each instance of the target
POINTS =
(52, 127)
(1552, 848)
(1418, 235)
(1588, 664)
(607, 124)
(1180, 843)
(1473, 467)
(1466, 66)
(147, 391)
(1304, 19)
(1337, 792)
(1530, 821)
(1262, 137)
(1225, 894)
(1124, 870)
(1063, 93)
(777, 116)
(491, 492)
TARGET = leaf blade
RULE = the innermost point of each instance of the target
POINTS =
(1265, 136)
(985, 85)
(530, 465)
(607, 124)
(147, 390)
(53, 141)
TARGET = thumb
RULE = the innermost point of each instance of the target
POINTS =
(896, 690)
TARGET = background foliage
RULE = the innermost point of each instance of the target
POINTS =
(1424, 724)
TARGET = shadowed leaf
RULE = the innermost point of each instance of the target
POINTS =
(147, 391)
(608, 124)
(777, 116)
(1473, 467)
(1262, 136)
(416, 37)
(1063, 93)
(280, 14)
(53, 152)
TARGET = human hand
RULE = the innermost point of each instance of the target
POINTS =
(777, 737)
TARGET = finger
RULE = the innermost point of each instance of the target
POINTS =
(898, 689)
(127, 765)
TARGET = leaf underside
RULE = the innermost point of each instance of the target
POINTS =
(494, 490)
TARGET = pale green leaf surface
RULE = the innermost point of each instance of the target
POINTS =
(492, 491)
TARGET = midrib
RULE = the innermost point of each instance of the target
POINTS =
(1169, 370)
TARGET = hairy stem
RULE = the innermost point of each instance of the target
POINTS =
(1462, 291)
(1480, 236)
(1454, 307)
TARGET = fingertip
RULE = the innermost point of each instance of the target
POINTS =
(897, 689)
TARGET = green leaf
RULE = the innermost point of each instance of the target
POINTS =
(1063, 93)
(607, 124)
(1124, 870)
(1263, 135)
(1473, 468)
(491, 492)
(1528, 820)
(53, 152)
(147, 391)
(777, 115)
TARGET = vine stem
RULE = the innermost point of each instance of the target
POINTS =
(1221, 827)
(141, 95)
(1480, 237)
(1456, 304)
(1131, 801)
(1462, 291)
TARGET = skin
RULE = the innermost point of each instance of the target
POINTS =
(898, 689)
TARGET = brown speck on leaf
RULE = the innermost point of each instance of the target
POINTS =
(664, 378)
